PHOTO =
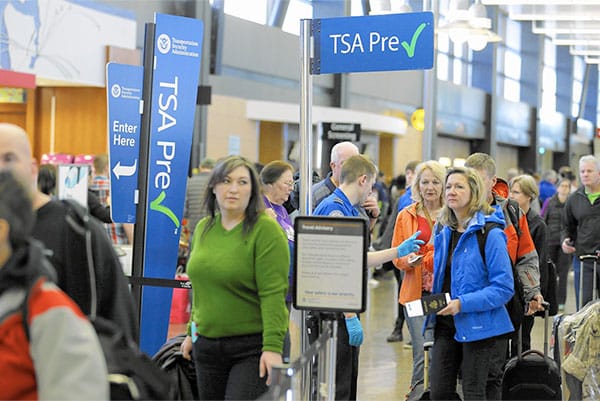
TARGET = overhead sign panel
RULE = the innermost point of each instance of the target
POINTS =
(373, 43)
(178, 48)
(124, 84)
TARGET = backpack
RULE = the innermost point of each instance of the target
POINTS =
(515, 306)
(181, 370)
(132, 375)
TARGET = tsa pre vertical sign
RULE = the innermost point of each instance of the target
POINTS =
(178, 48)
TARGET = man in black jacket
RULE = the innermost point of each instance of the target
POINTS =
(66, 253)
(581, 224)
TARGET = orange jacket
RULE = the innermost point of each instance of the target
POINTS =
(521, 248)
(412, 285)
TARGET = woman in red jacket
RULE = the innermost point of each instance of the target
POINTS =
(427, 192)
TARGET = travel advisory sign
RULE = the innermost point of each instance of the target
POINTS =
(177, 53)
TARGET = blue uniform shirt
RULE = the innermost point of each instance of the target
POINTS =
(337, 204)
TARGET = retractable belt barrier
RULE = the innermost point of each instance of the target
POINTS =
(282, 377)
(160, 282)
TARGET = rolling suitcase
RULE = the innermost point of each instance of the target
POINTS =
(532, 375)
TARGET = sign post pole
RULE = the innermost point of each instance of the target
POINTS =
(353, 44)
(305, 165)
(139, 236)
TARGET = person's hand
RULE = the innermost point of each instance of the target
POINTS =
(451, 309)
(412, 244)
(355, 331)
(371, 207)
(567, 246)
(535, 305)
(414, 259)
(186, 348)
(267, 360)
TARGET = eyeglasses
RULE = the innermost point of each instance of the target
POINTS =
(289, 183)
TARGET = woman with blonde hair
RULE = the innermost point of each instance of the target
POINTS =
(479, 284)
(421, 215)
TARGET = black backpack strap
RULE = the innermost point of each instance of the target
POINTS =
(482, 237)
(78, 220)
(514, 211)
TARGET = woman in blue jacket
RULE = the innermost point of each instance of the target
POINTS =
(464, 330)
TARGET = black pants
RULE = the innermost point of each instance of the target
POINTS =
(563, 265)
(449, 357)
(228, 368)
(346, 365)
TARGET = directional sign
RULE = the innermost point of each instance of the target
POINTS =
(373, 43)
(124, 92)
(178, 47)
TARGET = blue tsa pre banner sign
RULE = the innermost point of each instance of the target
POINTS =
(373, 43)
(177, 52)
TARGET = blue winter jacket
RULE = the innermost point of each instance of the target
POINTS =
(482, 290)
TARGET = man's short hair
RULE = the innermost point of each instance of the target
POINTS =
(549, 175)
(100, 163)
(356, 166)
(482, 161)
(335, 150)
(207, 163)
(411, 166)
(590, 159)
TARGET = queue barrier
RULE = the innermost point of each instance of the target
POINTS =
(289, 381)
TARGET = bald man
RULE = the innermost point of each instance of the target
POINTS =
(340, 152)
(67, 251)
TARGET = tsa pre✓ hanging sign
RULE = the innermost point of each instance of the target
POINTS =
(373, 43)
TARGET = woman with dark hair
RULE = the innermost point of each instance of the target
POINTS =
(47, 179)
(238, 267)
(479, 285)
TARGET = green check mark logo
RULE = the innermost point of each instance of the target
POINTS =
(156, 206)
(410, 49)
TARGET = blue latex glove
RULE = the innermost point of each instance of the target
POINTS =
(412, 244)
(355, 331)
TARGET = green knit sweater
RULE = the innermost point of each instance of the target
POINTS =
(240, 280)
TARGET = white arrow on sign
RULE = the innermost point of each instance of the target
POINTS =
(125, 171)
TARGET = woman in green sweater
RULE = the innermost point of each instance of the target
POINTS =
(238, 267)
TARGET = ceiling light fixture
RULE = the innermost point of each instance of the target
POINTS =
(592, 60)
(538, 2)
(469, 25)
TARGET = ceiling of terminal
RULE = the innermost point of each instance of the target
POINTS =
(573, 23)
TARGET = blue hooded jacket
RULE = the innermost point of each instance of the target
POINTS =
(482, 288)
